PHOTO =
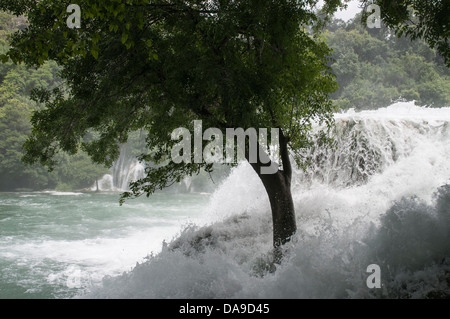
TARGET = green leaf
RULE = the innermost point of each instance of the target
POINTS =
(94, 52)
(96, 38)
(153, 56)
(124, 37)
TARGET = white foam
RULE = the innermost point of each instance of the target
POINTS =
(56, 193)
(401, 111)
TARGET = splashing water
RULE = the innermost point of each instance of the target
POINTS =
(379, 197)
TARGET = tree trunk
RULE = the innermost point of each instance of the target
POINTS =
(278, 188)
(283, 213)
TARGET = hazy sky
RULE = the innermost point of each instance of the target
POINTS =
(351, 11)
(348, 14)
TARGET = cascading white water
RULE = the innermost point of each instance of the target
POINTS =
(379, 197)
(125, 170)
(369, 142)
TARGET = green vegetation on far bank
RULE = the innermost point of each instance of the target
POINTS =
(374, 68)
(16, 108)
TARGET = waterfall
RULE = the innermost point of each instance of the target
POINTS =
(367, 143)
(125, 170)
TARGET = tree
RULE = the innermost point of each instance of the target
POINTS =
(425, 19)
(159, 65)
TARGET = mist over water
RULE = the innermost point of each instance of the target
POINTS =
(380, 196)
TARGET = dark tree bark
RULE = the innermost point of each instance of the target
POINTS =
(278, 188)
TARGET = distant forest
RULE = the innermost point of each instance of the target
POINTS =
(16, 107)
(373, 68)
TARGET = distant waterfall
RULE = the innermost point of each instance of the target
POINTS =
(125, 170)
(368, 143)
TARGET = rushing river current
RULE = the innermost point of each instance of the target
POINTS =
(54, 245)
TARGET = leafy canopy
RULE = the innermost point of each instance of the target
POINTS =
(157, 65)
